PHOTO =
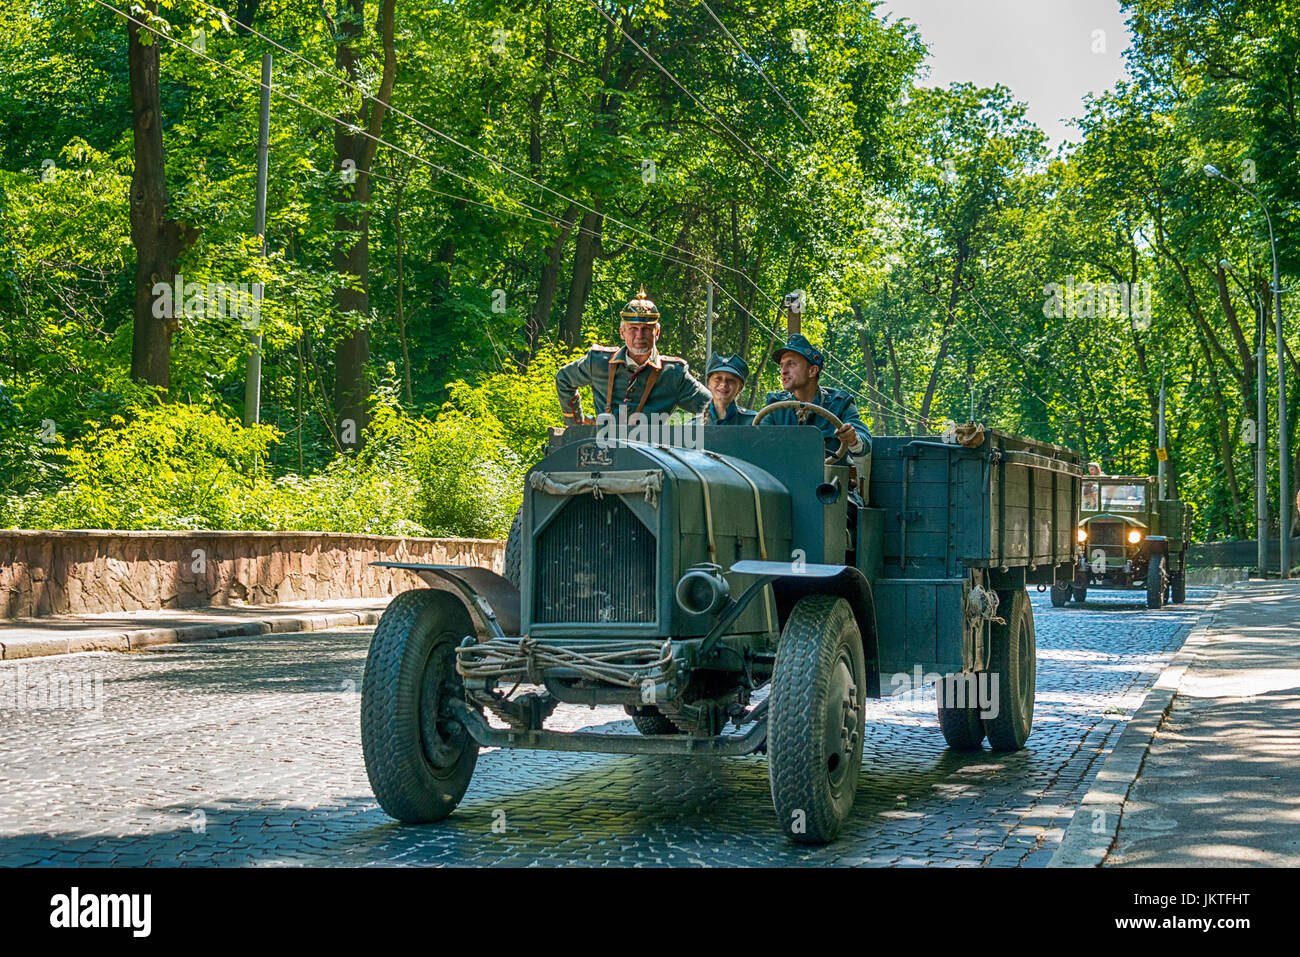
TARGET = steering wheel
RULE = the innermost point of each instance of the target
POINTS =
(826, 414)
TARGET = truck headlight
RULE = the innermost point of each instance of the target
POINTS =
(1134, 537)
(702, 590)
(1083, 534)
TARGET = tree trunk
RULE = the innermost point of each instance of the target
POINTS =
(879, 416)
(953, 287)
(355, 152)
(401, 283)
(1227, 442)
(549, 282)
(159, 240)
(584, 258)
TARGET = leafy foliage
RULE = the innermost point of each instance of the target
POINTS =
(537, 168)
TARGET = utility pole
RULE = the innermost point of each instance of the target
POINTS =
(708, 326)
(1283, 443)
(253, 381)
(1261, 417)
(1162, 454)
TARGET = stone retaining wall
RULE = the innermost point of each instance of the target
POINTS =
(90, 572)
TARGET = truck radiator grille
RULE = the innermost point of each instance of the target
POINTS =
(595, 563)
(1106, 533)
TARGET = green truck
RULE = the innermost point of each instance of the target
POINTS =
(745, 596)
(1129, 538)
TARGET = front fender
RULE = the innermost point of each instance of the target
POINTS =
(792, 581)
(492, 602)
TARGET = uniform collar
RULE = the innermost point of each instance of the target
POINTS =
(732, 412)
(622, 358)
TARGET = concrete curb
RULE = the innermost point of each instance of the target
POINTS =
(152, 637)
(1095, 825)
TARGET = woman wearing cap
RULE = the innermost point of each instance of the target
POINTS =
(725, 377)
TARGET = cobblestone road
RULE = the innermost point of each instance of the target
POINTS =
(247, 752)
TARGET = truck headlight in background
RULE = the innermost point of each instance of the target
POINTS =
(1134, 537)
(1083, 534)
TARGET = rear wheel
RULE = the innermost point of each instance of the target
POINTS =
(816, 719)
(514, 548)
(1013, 669)
(1080, 593)
(1060, 594)
(1157, 582)
(961, 726)
(419, 756)
(1179, 585)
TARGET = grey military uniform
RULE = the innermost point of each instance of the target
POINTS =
(736, 415)
(662, 384)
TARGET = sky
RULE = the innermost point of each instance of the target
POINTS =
(1042, 50)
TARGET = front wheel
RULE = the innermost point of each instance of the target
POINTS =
(1012, 674)
(1157, 582)
(419, 756)
(815, 724)
(1060, 594)
(1080, 593)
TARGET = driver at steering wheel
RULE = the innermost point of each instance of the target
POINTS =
(801, 367)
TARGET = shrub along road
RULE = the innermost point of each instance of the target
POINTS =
(247, 751)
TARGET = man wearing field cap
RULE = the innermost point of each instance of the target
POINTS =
(635, 376)
(725, 377)
(801, 367)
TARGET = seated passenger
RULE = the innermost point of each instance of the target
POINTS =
(635, 375)
(725, 376)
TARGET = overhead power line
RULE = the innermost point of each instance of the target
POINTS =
(662, 69)
(752, 62)
(548, 218)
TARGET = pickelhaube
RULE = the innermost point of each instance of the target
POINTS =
(640, 309)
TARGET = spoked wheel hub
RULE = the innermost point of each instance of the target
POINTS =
(442, 736)
(843, 736)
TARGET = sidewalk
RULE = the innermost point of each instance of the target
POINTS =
(128, 631)
(1218, 780)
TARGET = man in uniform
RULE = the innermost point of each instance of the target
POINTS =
(725, 377)
(801, 367)
(636, 375)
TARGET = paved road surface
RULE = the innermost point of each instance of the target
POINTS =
(247, 752)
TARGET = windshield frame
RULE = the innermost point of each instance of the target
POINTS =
(1105, 496)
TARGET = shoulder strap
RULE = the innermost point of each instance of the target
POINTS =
(650, 384)
(609, 391)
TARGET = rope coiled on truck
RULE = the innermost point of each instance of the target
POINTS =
(615, 662)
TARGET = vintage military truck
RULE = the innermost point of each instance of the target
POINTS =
(1129, 538)
(745, 596)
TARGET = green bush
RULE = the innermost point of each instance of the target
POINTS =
(180, 466)
(523, 404)
(470, 480)
(172, 466)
